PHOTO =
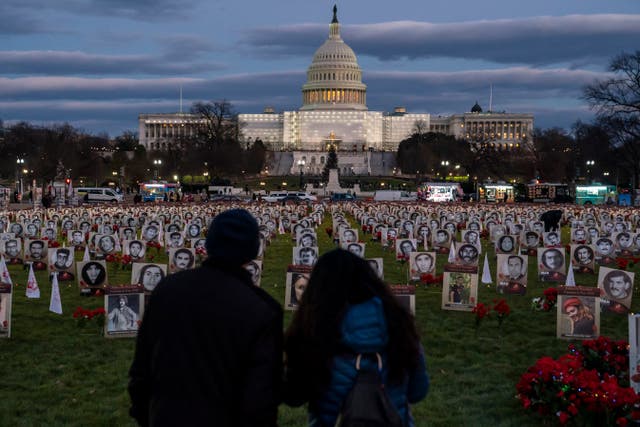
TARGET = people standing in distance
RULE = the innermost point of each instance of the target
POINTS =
(190, 370)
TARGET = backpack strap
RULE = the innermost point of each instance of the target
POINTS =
(359, 357)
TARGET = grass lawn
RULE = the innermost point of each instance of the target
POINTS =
(53, 373)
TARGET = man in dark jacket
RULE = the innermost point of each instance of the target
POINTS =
(209, 350)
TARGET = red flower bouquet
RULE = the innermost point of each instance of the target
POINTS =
(481, 311)
(587, 386)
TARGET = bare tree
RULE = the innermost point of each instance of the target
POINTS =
(220, 122)
(617, 104)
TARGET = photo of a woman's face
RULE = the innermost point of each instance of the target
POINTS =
(93, 271)
(299, 286)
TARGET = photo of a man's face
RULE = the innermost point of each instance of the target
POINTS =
(181, 259)
(307, 256)
(106, 244)
(62, 259)
(468, 254)
(552, 259)
(135, 249)
(12, 248)
(37, 250)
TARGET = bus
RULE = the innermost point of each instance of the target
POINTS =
(440, 191)
(155, 190)
(545, 192)
(596, 194)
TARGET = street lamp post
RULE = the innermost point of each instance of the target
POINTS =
(19, 166)
(445, 166)
(590, 164)
(157, 163)
(301, 164)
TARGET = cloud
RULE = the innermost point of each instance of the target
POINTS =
(551, 95)
(142, 10)
(537, 41)
(74, 63)
(184, 47)
(14, 22)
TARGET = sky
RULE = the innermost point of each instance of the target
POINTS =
(97, 64)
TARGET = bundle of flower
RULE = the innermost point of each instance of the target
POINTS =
(500, 308)
(430, 279)
(626, 262)
(83, 316)
(587, 386)
(547, 302)
(481, 310)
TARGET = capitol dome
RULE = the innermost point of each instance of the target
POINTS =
(334, 78)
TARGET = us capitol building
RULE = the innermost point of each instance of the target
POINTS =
(334, 113)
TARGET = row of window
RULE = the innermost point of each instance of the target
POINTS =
(332, 76)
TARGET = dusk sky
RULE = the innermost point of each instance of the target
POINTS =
(97, 64)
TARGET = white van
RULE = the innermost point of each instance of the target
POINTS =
(275, 196)
(99, 194)
(394, 196)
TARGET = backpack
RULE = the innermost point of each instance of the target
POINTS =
(368, 404)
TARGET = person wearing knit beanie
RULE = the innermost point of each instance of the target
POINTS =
(209, 349)
(233, 237)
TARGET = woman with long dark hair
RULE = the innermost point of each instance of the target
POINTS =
(347, 310)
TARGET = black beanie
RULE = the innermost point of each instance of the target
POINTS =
(233, 237)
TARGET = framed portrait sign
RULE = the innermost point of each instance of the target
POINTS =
(421, 263)
(378, 266)
(136, 249)
(5, 309)
(551, 265)
(506, 244)
(634, 352)
(35, 251)
(583, 258)
(441, 241)
(306, 256)
(617, 290)
(578, 312)
(512, 274)
(296, 283)
(406, 296)
(61, 260)
(355, 248)
(91, 275)
(181, 259)
(529, 243)
(147, 275)
(124, 307)
(254, 268)
(404, 247)
(459, 291)
(12, 250)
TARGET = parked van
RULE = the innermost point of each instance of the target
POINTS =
(97, 194)
(394, 196)
(275, 196)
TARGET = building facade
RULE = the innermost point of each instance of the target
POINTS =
(334, 113)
